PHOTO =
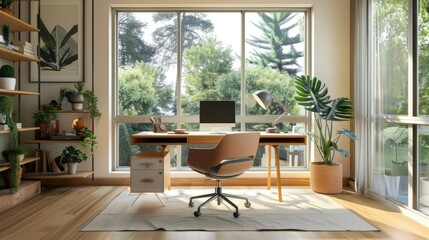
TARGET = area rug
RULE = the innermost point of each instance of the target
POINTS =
(301, 209)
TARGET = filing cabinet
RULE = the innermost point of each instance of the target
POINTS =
(150, 172)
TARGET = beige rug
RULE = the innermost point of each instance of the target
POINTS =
(301, 209)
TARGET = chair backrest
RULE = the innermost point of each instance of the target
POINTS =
(234, 146)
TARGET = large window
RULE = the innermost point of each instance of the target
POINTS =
(168, 61)
(400, 76)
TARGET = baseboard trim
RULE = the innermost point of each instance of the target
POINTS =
(180, 182)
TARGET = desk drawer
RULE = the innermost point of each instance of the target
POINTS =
(147, 181)
(147, 163)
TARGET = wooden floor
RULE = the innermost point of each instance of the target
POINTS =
(60, 213)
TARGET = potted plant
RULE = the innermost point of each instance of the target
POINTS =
(74, 96)
(18, 150)
(312, 94)
(72, 156)
(46, 119)
(7, 77)
(5, 6)
(78, 96)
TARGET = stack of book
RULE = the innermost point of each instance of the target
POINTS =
(25, 48)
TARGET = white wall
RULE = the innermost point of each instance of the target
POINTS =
(330, 62)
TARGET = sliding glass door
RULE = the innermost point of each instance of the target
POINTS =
(400, 123)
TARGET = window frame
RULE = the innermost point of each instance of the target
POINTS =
(179, 119)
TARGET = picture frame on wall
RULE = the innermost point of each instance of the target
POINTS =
(61, 40)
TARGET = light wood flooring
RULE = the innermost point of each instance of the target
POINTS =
(60, 213)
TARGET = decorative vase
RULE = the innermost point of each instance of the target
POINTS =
(325, 178)
(71, 167)
(7, 83)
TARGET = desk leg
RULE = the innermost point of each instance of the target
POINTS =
(169, 163)
(269, 168)
(279, 185)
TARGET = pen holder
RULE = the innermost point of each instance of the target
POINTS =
(159, 128)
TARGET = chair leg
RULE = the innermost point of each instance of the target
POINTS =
(219, 196)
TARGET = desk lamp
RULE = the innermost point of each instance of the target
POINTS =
(265, 99)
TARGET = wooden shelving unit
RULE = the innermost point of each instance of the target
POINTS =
(20, 130)
(17, 92)
(53, 175)
(15, 24)
(27, 189)
(16, 56)
(52, 141)
(73, 111)
(6, 166)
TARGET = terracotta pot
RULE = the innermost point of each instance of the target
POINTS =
(8, 175)
(326, 179)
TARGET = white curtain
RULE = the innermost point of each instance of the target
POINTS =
(361, 93)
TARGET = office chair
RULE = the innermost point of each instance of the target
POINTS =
(231, 157)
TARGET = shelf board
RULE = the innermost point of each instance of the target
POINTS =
(16, 92)
(53, 175)
(52, 141)
(6, 166)
(16, 56)
(20, 130)
(70, 111)
(15, 24)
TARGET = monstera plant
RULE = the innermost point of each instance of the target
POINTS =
(312, 94)
(60, 49)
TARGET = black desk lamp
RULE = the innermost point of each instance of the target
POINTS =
(265, 99)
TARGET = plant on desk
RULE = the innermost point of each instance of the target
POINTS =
(72, 156)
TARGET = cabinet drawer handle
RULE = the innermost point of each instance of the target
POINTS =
(147, 180)
(147, 165)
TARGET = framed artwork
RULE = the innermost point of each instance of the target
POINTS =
(61, 40)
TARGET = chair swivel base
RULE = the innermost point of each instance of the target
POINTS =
(219, 196)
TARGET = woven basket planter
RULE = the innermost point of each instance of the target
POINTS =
(326, 179)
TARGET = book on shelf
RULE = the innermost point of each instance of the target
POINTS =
(23, 43)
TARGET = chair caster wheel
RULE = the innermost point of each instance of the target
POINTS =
(236, 214)
(247, 204)
(191, 204)
(197, 214)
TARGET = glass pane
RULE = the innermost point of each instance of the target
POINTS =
(126, 150)
(275, 54)
(211, 48)
(390, 166)
(423, 167)
(423, 57)
(147, 63)
(390, 41)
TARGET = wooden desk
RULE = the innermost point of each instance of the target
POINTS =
(204, 138)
